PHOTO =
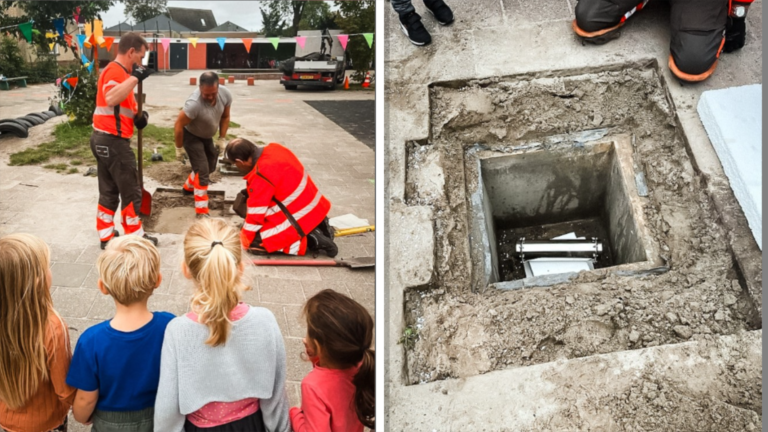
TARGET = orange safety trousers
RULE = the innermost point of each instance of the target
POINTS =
(105, 223)
(201, 192)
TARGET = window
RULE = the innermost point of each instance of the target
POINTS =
(202, 20)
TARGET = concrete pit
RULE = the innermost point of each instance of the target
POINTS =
(548, 153)
(174, 213)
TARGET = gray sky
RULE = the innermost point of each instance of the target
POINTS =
(243, 13)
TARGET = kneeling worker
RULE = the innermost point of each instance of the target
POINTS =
(204, 112)
(285, 211)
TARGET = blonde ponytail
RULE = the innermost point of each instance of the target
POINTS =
(213, 254)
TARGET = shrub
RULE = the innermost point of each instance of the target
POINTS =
(11, 62)
(80, 103)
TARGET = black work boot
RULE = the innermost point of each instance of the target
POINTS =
(327, 229)
(152, 239)
(115, 233)
(413, 28)
(317, 241)
(442, 13)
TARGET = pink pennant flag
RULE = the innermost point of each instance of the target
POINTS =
(166, 43)
(301, 40)
(343, 40)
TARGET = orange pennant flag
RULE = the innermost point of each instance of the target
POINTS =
(247, 43)
(88, 33)
(108, 40)
(72, 81)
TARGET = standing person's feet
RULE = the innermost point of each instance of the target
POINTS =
(414, 29)
(152, 239)
(115, 233)
(442, 13)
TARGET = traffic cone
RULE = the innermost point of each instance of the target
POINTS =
(346, 83)
(367, 82)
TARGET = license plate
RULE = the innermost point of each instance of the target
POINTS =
(307, 77)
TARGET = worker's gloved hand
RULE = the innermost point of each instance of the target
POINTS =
(180, 153)
(220, 143)
(736, 27)
(141, 72)
(140, 120)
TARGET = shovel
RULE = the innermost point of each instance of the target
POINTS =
(353, 263)
(146, 198)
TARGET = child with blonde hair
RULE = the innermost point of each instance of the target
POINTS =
(338, 395)
(116, 366)
(223, 364)
(34, 341)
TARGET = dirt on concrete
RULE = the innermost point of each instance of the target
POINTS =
(464, 333)
(174, 174)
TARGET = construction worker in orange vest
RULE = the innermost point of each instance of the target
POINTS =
(204, 112)
(285, 211)
(701, 30)
(114, 118)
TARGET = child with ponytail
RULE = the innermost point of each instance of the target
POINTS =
(338, 395)
(222, 366)
(34, 341)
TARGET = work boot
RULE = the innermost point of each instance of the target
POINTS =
(317, 241)
(152, 239)
(414, 29)
(442, 13)
(327, 229)
(186, 192)
(115, 233)
(202, 216)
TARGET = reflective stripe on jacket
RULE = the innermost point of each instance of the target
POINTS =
(278, 175)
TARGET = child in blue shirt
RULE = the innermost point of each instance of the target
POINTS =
(116, 364)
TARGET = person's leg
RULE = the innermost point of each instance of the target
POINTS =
(195, 148)
(442, 13)
(212, 155)
(697, 37)
(125, 173)
(402, 7)
(598, 21)
(109, 194)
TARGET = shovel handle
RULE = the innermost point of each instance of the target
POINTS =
(285, 262)
(141, 150)
(351, 231)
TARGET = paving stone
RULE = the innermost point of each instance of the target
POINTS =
(365, 294)
(92, 280)
(165, 284)
(537, 11)
(74, 302)
(297, 368)
(90, 254)
(180, 285)
(103, 308)
(177, 305)
(69, 275)
(296, 326)
(313, 287)
(282, 291)
(66, 253)
(298, 273)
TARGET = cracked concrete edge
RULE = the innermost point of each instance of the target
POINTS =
(537, 394)
(407, 119)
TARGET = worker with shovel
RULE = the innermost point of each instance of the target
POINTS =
(114, 119)
(204, 112)
(283, 209)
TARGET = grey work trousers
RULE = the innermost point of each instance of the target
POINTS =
(203, 155)
(117, 171)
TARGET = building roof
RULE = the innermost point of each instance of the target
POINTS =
(228, 26)
(199, 20)
(123, 26)
(161, 22)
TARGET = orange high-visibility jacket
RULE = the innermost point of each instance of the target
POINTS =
(279, 176)
(114, 120)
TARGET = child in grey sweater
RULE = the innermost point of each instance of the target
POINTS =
(223, 364)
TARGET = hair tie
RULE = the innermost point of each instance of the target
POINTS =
(215, 243)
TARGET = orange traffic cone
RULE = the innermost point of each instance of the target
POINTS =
(367, 82)
(346, 83)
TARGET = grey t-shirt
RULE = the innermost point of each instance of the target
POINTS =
(206, 118)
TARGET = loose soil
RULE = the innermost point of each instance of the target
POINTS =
(464, 333)
(174, 213)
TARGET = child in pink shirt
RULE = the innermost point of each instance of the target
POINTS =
(338, 394)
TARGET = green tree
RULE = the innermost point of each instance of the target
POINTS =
(289, 11)
(142, 10)
(358, 17)
(44, 12)
(272, 20)
(11, 62)
(317, 16)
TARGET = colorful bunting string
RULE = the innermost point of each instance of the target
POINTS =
(165, 42)
(343, 40)
(193, 41)
(221, 41)
(247, 42)
(369, 38)
(301, 40)
(274, 41)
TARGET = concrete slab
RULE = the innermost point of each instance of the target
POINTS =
(69, 275)
(733, 120)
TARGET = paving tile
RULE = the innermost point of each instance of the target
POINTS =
(296, 326)
(165, 284)
(297, 368)
(298, 273)
(74, 302)
(103, 308)
(365, 294)
(66, 253)
(282, 291)
(180, 285)
(90, 254)
(92, 280)
(313, 287)
(177, 305)
(537, 11)
(69, 275)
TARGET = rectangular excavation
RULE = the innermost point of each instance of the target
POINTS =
(173, 212)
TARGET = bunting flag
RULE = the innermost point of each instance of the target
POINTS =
(343, 40)
(247, 42)
(26, 30)
(68, 39)
(88, 33)
(90, 67)
(368, 38)
(166, 42)
(98, 32)
(274, 41)
(76, 15)
(49, 35)
(80, 40)
(193, 41)
(84, 59)
(72, 81)
(108, 41)
(66, 85)
(301, 40)
(221, 41)
(59, 24)
(58, 82)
